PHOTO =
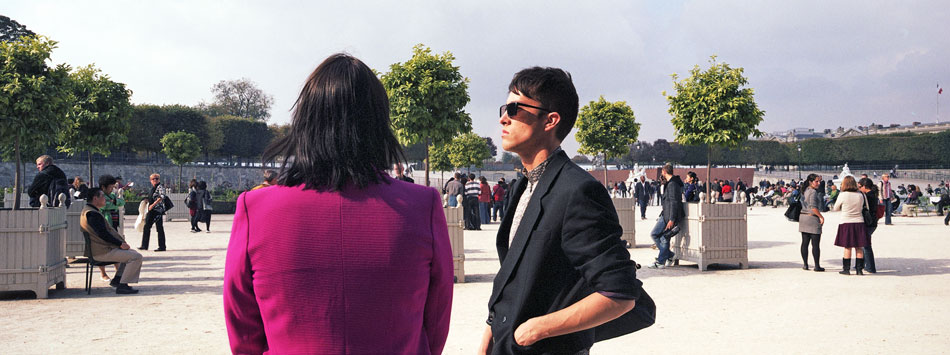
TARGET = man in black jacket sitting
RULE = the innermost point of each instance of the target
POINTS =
(108, 245)
(49, 175)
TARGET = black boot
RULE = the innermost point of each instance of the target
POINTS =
(859, 265)
(846, 266)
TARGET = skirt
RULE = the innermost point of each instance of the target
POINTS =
(852, 235)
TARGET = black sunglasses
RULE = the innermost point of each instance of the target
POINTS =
(512, 108)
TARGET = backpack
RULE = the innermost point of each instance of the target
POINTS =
(56, 187)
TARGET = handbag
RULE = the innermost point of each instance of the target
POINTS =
(879, 213)
(793, 211)
(167, 202)
(869, 220)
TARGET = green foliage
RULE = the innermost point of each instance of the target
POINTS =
(509, 158)
(99, 119)
(181, 147)
(241, 137)
(605, 127)
(439, 158)
(427, 97)
(33, 97)
(467, 150)
(492, 148)
(712, 107)
(11, 30)
(241, 98)
(150, 123)
(580, 159)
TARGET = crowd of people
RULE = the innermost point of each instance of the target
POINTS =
(481, 203)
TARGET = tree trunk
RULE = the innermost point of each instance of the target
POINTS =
(427, 161)
(605, 172)
(91, 181)
(16, 185)
(179, 178)
(708, 171)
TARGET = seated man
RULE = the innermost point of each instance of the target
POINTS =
(108, 245)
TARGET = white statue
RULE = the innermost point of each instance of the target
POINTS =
(845, 171)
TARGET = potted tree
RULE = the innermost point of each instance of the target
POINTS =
(713, 108)
(610, 128)
(33, 99)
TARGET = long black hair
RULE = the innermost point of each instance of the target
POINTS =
(340, 133)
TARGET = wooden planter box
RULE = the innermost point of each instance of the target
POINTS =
(180, 211)
(32, 250)
(456, 224)
(713, 234)
(626, 211)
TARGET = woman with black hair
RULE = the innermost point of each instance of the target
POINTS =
(339, 257)
(192, 203)
(203, 205)
(870, 191)
(810, 222)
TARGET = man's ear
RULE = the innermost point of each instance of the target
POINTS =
(551, 121)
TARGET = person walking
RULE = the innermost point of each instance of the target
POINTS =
(203, 198)
(867, 187)
(192, 202)
(484, 201)
(810, 222)
(640, 192)
(156, 213)
(338, 257)
(852, 233)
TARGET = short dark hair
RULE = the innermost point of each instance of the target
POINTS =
(471, 176)
(93, 192)
(554, 89)
(202, 185)
(106, 180)
(340, 131)
(668, 168)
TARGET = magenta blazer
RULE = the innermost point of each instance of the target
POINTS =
(346, 272)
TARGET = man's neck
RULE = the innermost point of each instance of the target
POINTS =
(533, 159)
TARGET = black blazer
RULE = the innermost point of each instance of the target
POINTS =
(567, 246)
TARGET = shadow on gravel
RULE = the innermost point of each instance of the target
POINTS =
(103, 290)
(911, 266)
(766, 244)
(477, 278)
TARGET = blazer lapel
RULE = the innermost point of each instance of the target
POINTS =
(523, 234)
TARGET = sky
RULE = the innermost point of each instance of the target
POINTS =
(812, 64)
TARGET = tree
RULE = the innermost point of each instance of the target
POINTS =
(492, 148)
(580, 159)
(427, 95)
(181, 148)
(11, 30)
(241, 98)
(607, 128)
(33, 98)
(99, 118)
(711, 107)
(150, 123)
(241, 137)
(440, 159)
(467, 150)
(509, 158)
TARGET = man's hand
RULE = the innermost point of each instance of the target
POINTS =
(124, 246)
(528, 333)
(669, 225)
(485, 347)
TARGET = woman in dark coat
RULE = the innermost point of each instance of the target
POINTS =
(192, 203)
(203, 198)
(870, 191)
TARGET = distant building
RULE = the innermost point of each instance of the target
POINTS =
(799, 134)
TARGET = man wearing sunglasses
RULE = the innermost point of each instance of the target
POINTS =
(564, 269)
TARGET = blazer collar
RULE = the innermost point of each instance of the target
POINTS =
(510, 256)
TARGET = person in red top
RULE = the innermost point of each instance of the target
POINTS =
(484, 200)
(726, 192)
(498, 198)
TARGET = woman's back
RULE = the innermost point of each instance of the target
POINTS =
(355, 271)
(850, 204)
